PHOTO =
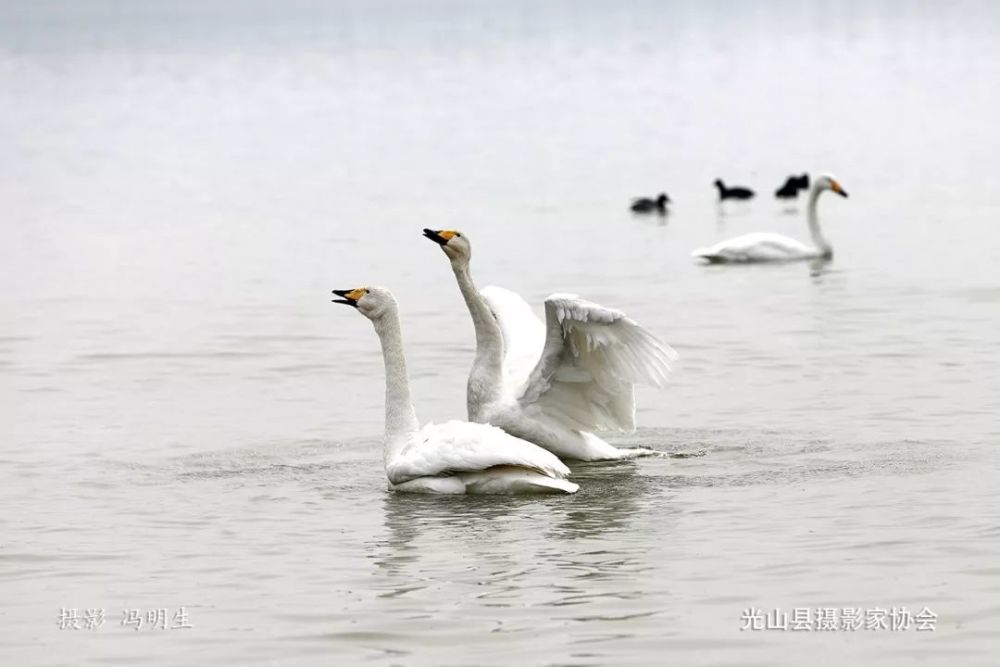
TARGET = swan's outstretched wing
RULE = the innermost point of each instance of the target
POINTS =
(591, 359)
(756, 247)
(523, 335)
(457, 446)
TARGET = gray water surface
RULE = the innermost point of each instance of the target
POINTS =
(187, 421)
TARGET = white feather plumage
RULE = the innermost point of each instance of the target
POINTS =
(458, 446)
(589, 359)
(555, 383)
(456, 456)
(758, 247)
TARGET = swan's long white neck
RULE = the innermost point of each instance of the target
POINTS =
(400, 417)
(817, 234)
(487, 369)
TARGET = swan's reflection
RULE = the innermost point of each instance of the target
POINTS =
(571, 558)
(613, 491)
(819, 266)
(576, 556)
(419, 528)
(442, 521)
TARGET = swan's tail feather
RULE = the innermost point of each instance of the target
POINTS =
(554, 485)
(708, 255)
(511, 480)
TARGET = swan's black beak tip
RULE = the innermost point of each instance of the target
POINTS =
(842, 193)
(346, 300)
(434, 236)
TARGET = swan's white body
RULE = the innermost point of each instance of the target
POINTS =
(553, 384)
(462, 457)
(760, 247)
(768, 247)
(457, 456)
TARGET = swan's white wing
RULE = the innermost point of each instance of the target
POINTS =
(457, 446)
(756, 247)
(592, 358)
(523, 334)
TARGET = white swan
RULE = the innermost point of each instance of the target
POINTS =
(554, 384)
(767, 247)
(454, 457)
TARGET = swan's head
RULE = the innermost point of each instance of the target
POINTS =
(662, 200)
(454, 244)
(828, 182)
(372, 302)
(718, 183)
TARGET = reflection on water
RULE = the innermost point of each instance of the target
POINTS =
(580, 555)
(614, 494)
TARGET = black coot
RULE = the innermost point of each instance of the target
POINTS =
(732, 193)
(646, 205)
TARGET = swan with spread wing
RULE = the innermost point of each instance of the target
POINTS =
(556, 383)
(768, 247)
(454, 457)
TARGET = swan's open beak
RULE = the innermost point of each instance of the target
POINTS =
(440, 237)
(350, 296)
(835, 186)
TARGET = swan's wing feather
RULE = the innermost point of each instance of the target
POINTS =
(457, 446)
(755, 247)
(523, 333)
(593, 356)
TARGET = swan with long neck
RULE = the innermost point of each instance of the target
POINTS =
(454, 457)
(767, 247)
(554, 384)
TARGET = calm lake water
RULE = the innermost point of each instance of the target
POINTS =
(189, 425)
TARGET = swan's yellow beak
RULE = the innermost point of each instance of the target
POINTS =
(835, 186)
(441, 236)
(350, 297)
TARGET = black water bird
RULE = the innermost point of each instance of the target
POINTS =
(732, 193)
(646, 205)
(790, 190)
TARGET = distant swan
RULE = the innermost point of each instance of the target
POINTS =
(555, 383)
(732, 193)
(766, 247)
(454, 457)
(646, 205)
